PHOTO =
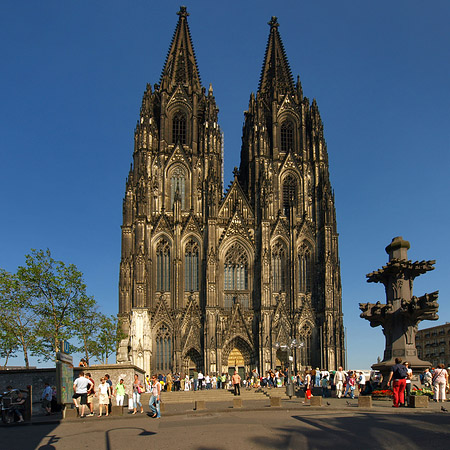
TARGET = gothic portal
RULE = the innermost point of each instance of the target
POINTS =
(212, 279)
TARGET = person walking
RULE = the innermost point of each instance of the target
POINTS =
(339, 378)
(80, 387)
(104, 395)
(440, 382)
(120, 393)
(47, 399)
(137, 391)
(236, 380)
(398, 377)
(155, 398)
(408, 382)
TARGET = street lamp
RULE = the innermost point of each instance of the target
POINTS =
(288, 347)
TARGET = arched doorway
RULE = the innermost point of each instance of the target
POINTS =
(192, 362)
(281, 359)
(238, 357)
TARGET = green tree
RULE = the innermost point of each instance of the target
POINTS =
(18, 321)
(87, 321)
(108, 337)
(56, 291)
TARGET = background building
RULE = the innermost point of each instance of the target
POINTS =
(433, 344)
(210, 280)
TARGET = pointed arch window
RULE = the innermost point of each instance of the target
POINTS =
(305, 333)
(279, 267)
(178, 187)
(289, 194)
(191, 266)
(287, 136)
(305, 271)
(163, 349)
(179, 128)
(163, 266)
(236, 276)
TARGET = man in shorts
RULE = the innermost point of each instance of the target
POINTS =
(80, 388)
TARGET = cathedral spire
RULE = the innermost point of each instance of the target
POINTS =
(276, 76)
(181, 66)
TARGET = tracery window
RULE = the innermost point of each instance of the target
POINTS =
(178, 185)
(289, 193)
(279, 267)
(287, 136)
(163, 266)
(163, 349)
(179, 128)
(305, 337)
(305, 270)
(236, 276)
(191, 266)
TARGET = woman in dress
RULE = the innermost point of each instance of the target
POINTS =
(104, 394)
(137, 391)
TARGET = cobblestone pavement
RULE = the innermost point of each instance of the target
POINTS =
(255, 426)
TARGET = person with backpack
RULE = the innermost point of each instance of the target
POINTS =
(398, 376)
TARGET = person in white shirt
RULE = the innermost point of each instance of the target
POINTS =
(80, 387)
(339, 378)
(408, 382)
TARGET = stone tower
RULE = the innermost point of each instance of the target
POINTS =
(211, 280)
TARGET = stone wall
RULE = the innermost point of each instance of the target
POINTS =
(21, 378)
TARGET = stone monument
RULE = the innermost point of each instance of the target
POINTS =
(402, 312)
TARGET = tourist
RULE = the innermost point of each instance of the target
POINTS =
(148, 385)
(108, 380)
(90, 396)
(200, 380)
(47, 399)
(83, 363)
(137, 391)
(440, 382)
(120, 393)
(307, 385)
(398, 377)
(339, 378)
(427, 378)
(81, 386)
(324, 383)
(361, 382)
(104, 394)
(187, 383)
(155, 398)
(236, 380)
(176, 382)
(408, 383)
(169, 381)
(195, 378)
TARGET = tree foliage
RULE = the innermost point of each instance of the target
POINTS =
(45, 302)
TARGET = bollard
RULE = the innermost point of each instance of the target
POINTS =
(237, 402)
(316, 401)
(116, 410)
(365, 401)
(199, 405)
(418, 401)
(275, 401)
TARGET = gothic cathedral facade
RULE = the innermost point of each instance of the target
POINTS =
(212, 280)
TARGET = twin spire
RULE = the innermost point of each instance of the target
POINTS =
(276, 75)
(181, 65)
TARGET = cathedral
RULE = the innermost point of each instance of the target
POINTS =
(242, 279)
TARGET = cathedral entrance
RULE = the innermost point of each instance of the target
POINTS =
(192, 362)
(281, 359)
(236, 362)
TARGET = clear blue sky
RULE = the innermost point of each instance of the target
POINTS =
(72, 78)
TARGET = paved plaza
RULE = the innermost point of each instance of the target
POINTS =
(341, 424)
